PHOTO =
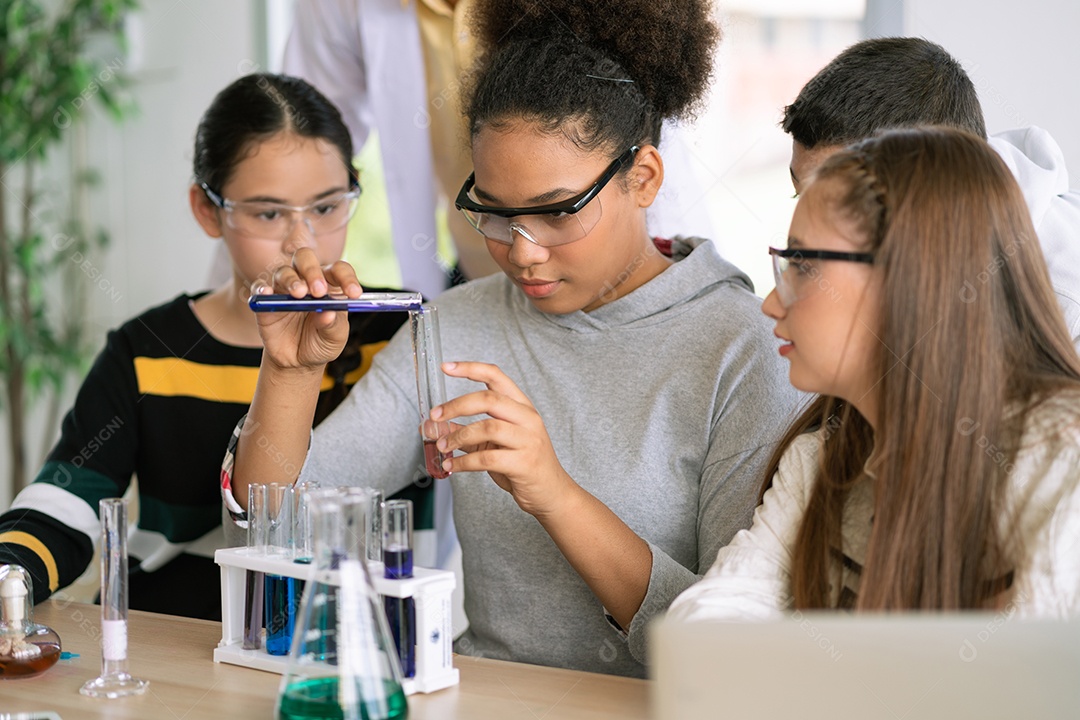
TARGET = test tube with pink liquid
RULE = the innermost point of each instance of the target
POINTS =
(430, 385)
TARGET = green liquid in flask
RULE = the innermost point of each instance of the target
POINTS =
(318, 698)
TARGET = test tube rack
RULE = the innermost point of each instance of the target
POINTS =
(430, 590)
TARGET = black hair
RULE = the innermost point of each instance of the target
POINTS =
(256, 107)
(604, 73)
(880, 84)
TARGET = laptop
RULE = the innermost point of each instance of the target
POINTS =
(815, 666)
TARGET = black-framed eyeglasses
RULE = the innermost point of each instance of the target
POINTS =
(549, 225)
(274, 221)
(795, 274)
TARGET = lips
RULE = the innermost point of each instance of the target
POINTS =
(538, 288)
(787, 346)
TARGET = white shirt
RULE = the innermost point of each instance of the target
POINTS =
(751, 577)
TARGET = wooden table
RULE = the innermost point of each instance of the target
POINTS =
(175, 655)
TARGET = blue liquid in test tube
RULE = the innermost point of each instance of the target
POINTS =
(280, 613)
(280, 592)
(398, 561)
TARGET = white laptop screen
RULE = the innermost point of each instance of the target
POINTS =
(895, 667)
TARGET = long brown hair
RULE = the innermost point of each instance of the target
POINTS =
(970, 326)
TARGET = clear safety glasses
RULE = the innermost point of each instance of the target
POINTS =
(274, 221)
(547, 225)
(796, 272)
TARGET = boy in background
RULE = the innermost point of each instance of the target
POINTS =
(888, 83)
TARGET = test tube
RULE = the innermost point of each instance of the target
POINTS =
(303, 552)
(398, 561)
(114, 680)
(374, 510)
(280, 607)
(430, 384)
(280, 500)
(367, 302)
(375, 525)
(302, 541)
(254, 581)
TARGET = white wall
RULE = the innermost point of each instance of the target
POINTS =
(190, 50)
(1022, 57)
(181, 54)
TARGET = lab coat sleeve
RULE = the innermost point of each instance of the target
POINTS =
(325, 48)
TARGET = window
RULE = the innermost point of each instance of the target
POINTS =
(768, 52)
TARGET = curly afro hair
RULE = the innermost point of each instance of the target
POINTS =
(605, 73)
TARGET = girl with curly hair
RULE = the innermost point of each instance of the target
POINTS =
(614, 395)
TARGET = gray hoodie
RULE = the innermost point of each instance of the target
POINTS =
(665, 404)
(1039, 166)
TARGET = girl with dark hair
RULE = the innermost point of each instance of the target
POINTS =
(618, 401)
(940, 467)
(272, 175)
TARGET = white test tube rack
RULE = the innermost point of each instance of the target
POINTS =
(429, 589)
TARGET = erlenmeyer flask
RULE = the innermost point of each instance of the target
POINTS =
(342, 663)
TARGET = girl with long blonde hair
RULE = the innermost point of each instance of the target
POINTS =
(939, 466)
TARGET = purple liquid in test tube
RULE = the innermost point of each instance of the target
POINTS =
(254, 580)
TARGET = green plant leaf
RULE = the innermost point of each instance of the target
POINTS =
(49, 82)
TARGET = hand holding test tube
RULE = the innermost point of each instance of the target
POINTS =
(305, 325)
(427, 351)
(367, 302)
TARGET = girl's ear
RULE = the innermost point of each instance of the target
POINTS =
(646, 176)
(205, 212)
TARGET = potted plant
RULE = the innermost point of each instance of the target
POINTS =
(49, 78)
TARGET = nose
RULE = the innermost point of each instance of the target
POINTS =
(524, 251)
(301, 234)
(772, 306)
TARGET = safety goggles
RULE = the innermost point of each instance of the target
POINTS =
(797, 274)
(547, 225)
(275, 221)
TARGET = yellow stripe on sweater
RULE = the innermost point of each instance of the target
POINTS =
(173, 377)
(31, 543)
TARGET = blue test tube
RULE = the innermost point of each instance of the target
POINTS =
(398, 560)
(280, 607)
